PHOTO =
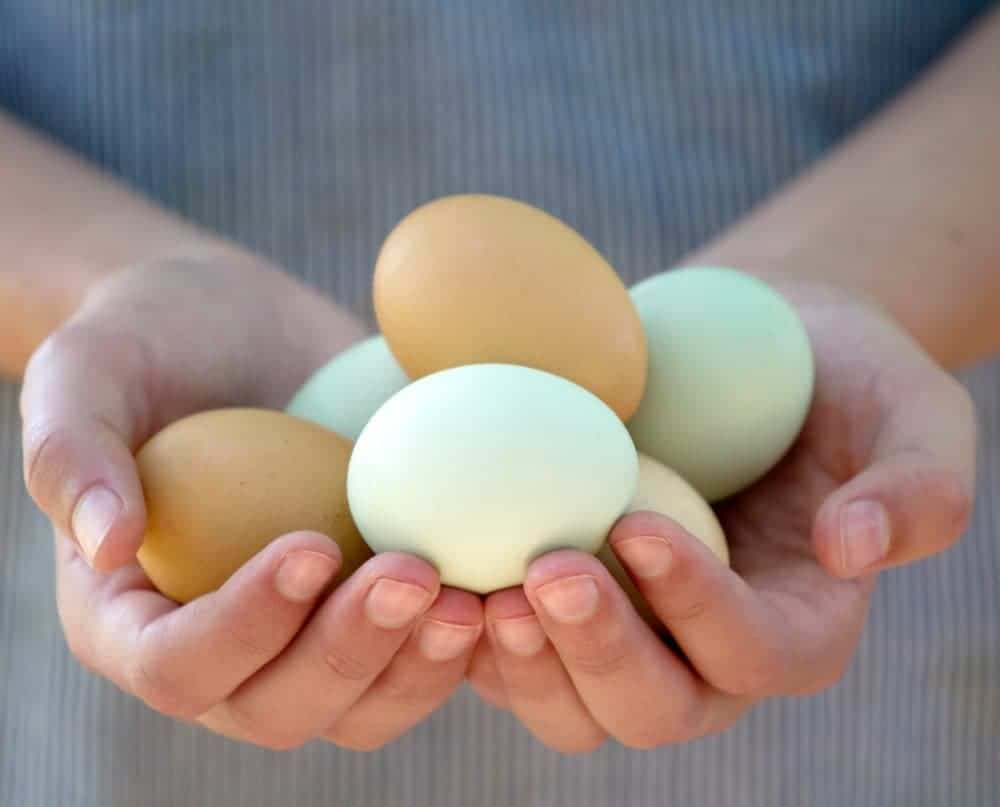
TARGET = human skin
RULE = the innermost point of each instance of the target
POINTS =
(889, 249)
(907, 205)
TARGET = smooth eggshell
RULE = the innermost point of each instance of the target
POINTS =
(221, 485)
(485, 279)
(480, 469)
(663, 491)
(344, 394)
(730, 379)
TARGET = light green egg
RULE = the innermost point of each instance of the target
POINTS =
(482, 468)
(344, 394)
(730, 380)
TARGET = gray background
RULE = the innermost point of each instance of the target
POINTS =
(306, 129)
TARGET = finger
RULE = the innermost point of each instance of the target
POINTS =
(122, 368)
(484, 676)
(740, 640)
(420, 678)
(84, 408)
(639, 691)
(915, 500)
(345, 647)
(539, 690)
(183, 660)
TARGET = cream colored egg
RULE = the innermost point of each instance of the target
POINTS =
(663, 491)
(482, 468)
(344, 394)
(730, 378)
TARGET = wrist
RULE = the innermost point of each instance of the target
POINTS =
(951, 318)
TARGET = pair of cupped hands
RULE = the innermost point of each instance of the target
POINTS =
(882, 475)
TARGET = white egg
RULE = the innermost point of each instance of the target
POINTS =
(663, 491)
(730, 378)
(482, 468)
(344, 394)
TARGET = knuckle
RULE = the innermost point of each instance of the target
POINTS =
(757, 677)
(56, 345)
(532, 690)
(403, 691)
(48, 457)
(604, 655)
(243, 639)
(687, 608)
(154, 680)
(347, 665)
(689, 722)
(159, 690)
(80, 648)
(268, 736)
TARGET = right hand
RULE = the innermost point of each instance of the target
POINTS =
(267, 658)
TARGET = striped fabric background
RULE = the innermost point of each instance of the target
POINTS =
(306, 129)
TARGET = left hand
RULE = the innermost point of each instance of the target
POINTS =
(882, 475)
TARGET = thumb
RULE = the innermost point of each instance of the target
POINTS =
(85, 409)
(915, 498)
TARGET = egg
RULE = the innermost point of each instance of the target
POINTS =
(475, 279)
(663, 491)
(344, 394)
(479, 469)
(221, 485)
(730, 378)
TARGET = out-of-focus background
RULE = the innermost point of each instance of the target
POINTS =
(647, 130)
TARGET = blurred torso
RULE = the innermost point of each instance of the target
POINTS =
(306, 129)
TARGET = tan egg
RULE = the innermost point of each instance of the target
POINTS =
(221, 485)
(480, 279)
(665, 492)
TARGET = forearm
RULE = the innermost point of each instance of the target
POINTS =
(906, 211)
(66, 224)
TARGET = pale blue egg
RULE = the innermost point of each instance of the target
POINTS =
(482, 468)
(344, 393)
(730, 377)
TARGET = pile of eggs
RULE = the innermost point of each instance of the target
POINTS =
(518, 399)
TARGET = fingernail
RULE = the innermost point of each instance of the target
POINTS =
(646, 556)
(520, 635)
(864, 535)
(391, 604)
(303, 574)
(571, 600)
(93, 518)
(444, 641)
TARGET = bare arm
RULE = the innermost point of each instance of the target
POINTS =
(907, 211)
(65, 225)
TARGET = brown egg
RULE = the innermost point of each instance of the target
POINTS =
(221, 485)
(484, 279)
